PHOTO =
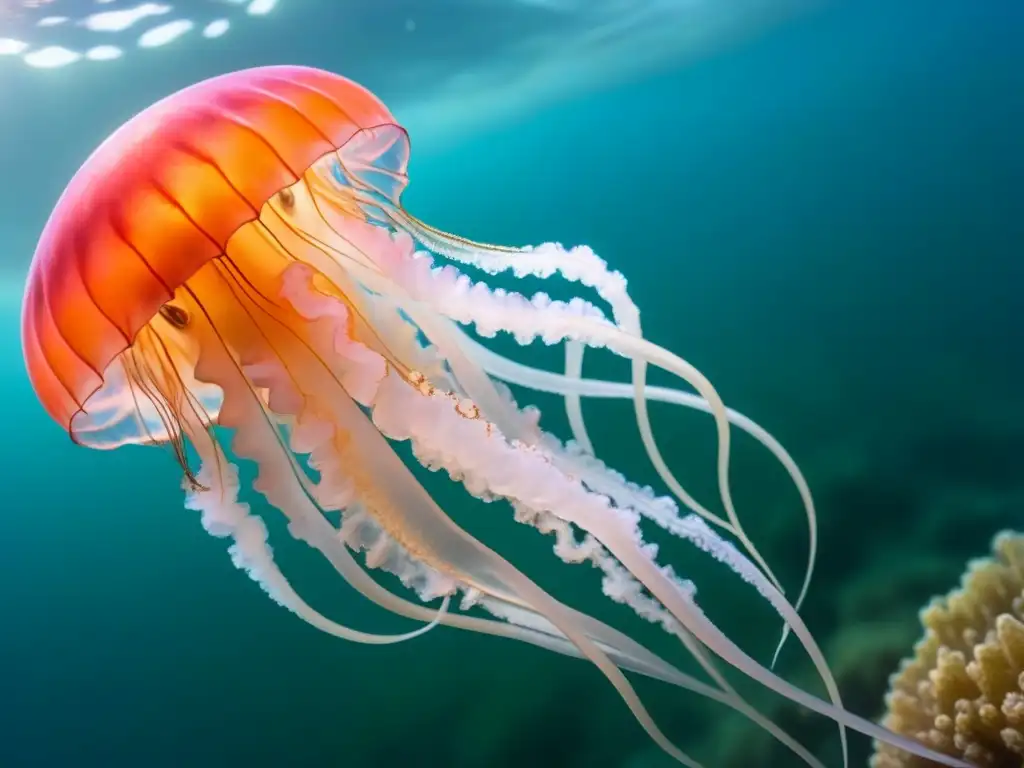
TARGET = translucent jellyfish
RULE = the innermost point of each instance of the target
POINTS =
(233, 267)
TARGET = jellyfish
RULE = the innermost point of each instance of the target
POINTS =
(232, 274)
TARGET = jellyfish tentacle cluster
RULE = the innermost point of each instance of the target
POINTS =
(232, 273)
(582, 266)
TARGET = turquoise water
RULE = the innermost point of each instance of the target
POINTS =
(824, 215)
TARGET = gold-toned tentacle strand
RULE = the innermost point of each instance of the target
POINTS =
(464, 407)
(150, 369)
(346, 297)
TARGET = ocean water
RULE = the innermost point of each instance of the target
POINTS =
(821, 206)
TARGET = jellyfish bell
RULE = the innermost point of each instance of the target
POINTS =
(234, 264)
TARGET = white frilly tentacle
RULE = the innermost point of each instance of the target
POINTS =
(223, 515)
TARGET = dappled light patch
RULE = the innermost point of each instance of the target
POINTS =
(52, 34)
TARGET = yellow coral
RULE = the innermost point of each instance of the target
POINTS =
(963, 690)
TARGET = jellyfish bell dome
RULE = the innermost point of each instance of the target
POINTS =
(159, 198)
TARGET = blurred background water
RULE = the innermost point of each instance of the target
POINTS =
(818, 204)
